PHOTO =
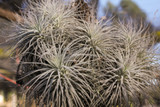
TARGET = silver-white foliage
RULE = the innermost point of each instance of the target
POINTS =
(133, 68)
(70, 62)
(40, 20)
(63, 81)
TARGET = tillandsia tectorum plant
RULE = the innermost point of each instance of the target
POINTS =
(131, 73)
(68, 61)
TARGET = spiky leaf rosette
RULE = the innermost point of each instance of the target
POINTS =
(130, 75)
(96, 39)
(62, 80)
(42, 21)
(95, 46)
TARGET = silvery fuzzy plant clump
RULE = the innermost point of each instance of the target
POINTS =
(131, 75)
(67, 61)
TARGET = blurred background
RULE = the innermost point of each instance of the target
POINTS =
(145, 11)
